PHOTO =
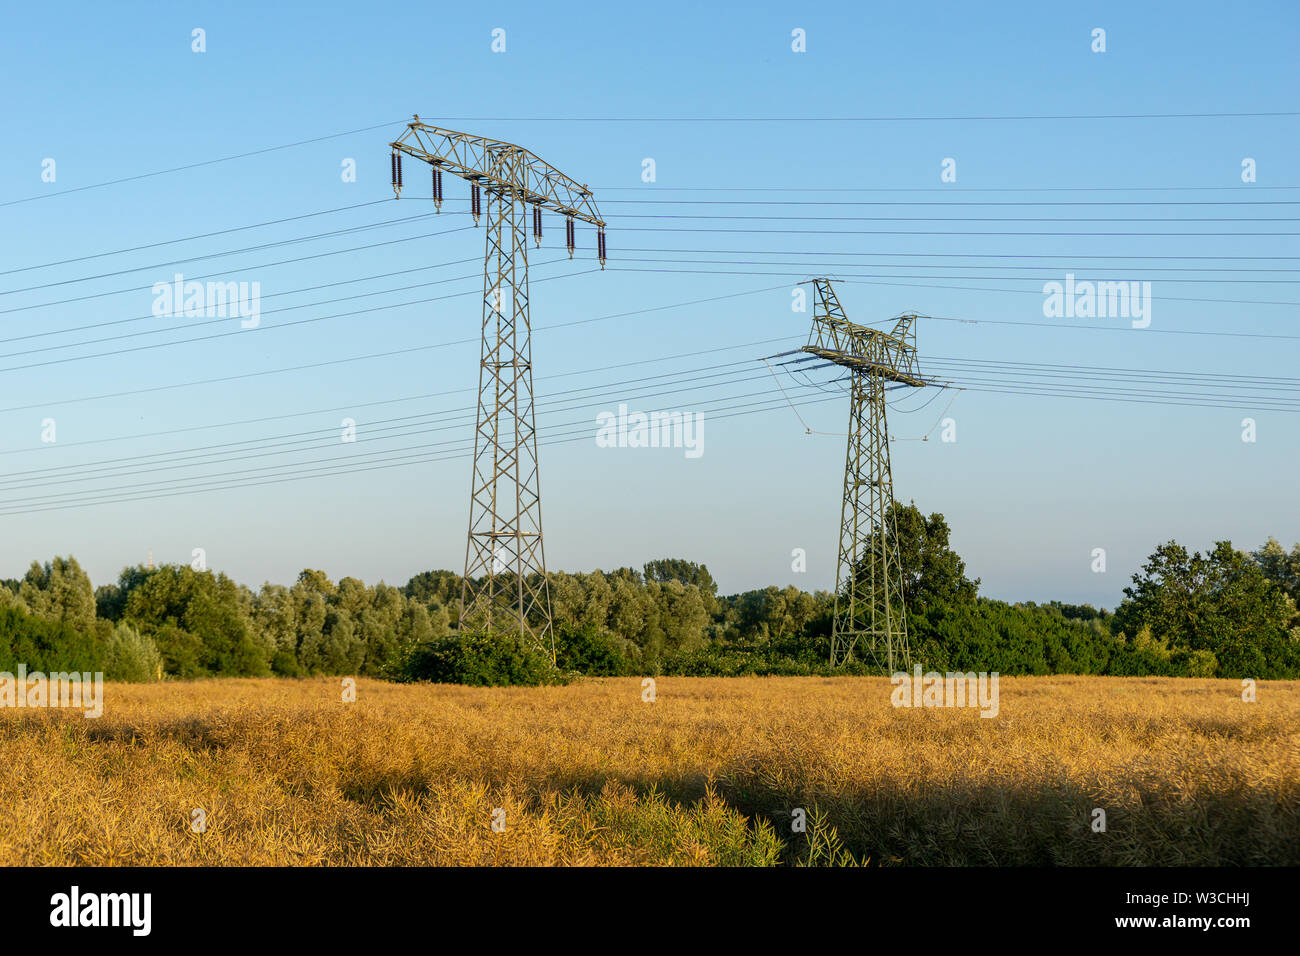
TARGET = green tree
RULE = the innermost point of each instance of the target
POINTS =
(1222, 602)
(1281, 568)
(682, 614)
(45, 645)
(60, 590)
(435, 589)
(934, 575)
(198, 620)
(685, 572)
(275, 625)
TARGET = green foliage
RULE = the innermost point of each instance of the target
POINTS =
(130, 656)
(933, 574)
(988, 635)
(59, 590)
(822, 844)
(1223, 603)
(1281, 568)
(481, 660)
(590, 651)
(197, 620)
(1222, 614)
(44, 645)
(684, 572)
(434, 590)
(667, 831)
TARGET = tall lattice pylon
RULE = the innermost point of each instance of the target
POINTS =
(870, 620)
(505, 587)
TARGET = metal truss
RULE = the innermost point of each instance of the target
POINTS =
(505, 588)
(870, 619)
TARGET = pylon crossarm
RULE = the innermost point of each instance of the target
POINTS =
(499, 167)
(860, 363)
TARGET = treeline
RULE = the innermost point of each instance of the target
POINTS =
(175, 621)
(1225, 613)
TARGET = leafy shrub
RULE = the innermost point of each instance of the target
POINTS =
(481, 660)
(131, 656)
(590, 651)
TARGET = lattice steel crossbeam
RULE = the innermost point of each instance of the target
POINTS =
(479, 159)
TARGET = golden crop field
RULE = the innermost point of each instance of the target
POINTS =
(710, 773)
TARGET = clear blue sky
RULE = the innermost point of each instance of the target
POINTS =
(1031, 486)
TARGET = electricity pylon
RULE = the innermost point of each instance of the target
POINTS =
(505, 585)
(869, 614)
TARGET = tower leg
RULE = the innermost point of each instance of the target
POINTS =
(869, 620)
(505, 587)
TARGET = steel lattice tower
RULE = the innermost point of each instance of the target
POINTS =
(505, 587)
(869, 612)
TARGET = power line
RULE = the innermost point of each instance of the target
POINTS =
(951, 202)
(374, 355)
(1052, 327)
(265, 328)
(952, 219)
(950, 255)
(889, 232)
(400, 221)
(624, 269)
(188, 166)
(424, 301)
(724, 374)
(329, 470)
(1170, 298)
(353, 406)
(876, 265)
(585, 433)
(226, 320)
(946, 188)
(253, 266)
(229, 252)
(863, 280)
(763, 263)
(285, 440)
(201, 235)
(861, 119)
(1125, 372)
(684, 202)
(273, 295)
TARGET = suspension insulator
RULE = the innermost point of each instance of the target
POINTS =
(537, 224)
(475, 201)
(437, 186)
(397, 189)
(399, 170)
(600, 246)
(569, 235)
